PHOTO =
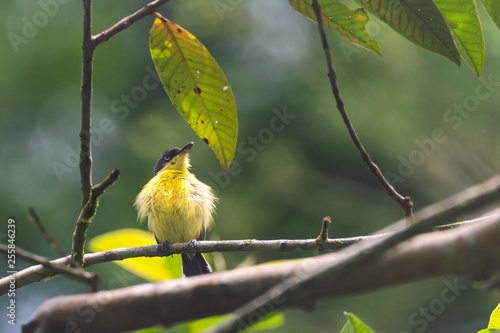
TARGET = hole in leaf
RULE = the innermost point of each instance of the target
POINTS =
(197, 90)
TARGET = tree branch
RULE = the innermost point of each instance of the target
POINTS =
(405, 202)
(87, 214)
(88, 46)
(128, 21)
(447, 210)
(449, 252)
(37, 273)
(92, 279)
(86, 104)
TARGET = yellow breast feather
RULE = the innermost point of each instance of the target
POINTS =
(177, 205)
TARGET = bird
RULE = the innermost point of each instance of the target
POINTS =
(178, 207)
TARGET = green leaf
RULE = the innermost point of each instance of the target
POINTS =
(196, 86)
(273, 321)
(493, 9)
(467, 32)
(150, 330)
(495, 318)
(201, 324)
(336, 16)
(150, 269)
(355, 325)
(269, 323)
(419, 21)
(489, 330)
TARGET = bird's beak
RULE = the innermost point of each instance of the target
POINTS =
(186, 148)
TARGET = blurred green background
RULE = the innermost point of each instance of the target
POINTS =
(288, 182)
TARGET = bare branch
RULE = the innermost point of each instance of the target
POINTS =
(128, 21)
(41, 228)
(92, 279)
(36, 273)
(405, 202)
(425, 256)
(449, 209)
(462, 223)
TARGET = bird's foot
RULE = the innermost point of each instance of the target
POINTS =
(191, 244)
(165, 247)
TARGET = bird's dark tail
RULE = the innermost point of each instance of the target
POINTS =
(194, 264)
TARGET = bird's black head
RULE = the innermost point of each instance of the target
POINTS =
(170, 157)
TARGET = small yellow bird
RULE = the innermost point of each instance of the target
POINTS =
(178, 206)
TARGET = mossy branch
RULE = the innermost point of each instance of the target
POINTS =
(91, 194)
(88, 213)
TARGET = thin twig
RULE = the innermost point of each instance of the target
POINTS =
(36, 273)
(41, 228)
(462, 223)
(92, 279)
(323, 236)
(128, 21)
(449, 209)
(405, 202)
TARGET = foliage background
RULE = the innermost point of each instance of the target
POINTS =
(273, 59)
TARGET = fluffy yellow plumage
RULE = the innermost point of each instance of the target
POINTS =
(178, 206)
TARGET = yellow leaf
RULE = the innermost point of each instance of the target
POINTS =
(196, 86)
(150, 269)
